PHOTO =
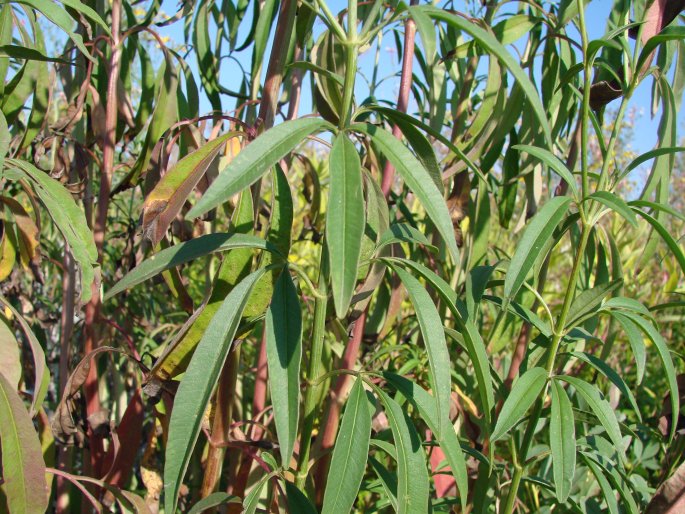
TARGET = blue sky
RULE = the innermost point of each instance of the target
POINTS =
(596, 16)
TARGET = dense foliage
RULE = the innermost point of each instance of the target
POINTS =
(235, 275)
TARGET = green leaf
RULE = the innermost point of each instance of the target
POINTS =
(616, 204)
(186, 252)
(251, 501)
(22, 458)
(675, 248)
(662, 349)
(553, 162)
(418, 179)
(253, 161)
(41, 371)
(433, 335)
(657, 152)
(68, 218)
(402, 232)
(562, 441)
(607, 491)
(489, 42)
(213, 500)
(608, 372)
(600, 407)
(528, 249)
(670, 33)
(197, 385)
(446, 436)
(59, 17)
(523, 394)
(297, 501)
(350, 453)
(588, 301)
(284, 353)
(636, 342)
(345, 221)
(166, 200)
(22, 52)
(412, 475)
(472, 339)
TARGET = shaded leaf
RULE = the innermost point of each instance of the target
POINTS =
(523, 394)
(349, 454)
(22, 459)
(562, 441)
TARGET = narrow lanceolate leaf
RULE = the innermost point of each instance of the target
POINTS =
(22, 459)
(186, 252)
(417, 179)
(448, 440)
(489, 42)
(251, 501)
(68, 218)
(662, 349)
(562, 441)
(616, 204)
(165, 201)
(213, 500)
(467, 327)
(537, 233)
(345, 221)
(526, 390)
(253, 161)
(197, 385)
(412, 474)
(636, 341)
(41, 370)
(590, 300)
(349, 455)
(675, 248)
(600, 407)
(284, 353)
(553, 162)
(433, 335)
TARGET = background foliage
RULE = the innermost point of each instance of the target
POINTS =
(236, 276)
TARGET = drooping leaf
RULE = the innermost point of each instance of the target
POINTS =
(22, 459)
(402, 232)
(213, 500)
(536, 235)
(589, 301)
(345, 221)
(41, 370)
(636, 342)
(68, 218)
(412, 474)
(165, 201)
(553, 162)
(447, 438)
(600, 407)
(472, 338)
(186, 252)
(667, 362)
(349, 454)
(616, 204)
(251, 501)
(433, 336)
(612, 375)
(197, 385)
(257, 157)
(418, 180)
(523, 394)
(562, 441)
(284, 353)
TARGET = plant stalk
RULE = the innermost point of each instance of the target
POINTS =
(551, 357)
(314, 371)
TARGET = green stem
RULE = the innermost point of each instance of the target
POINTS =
(351, 47)
(551, 357)
(585, 115)
(314, 372)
